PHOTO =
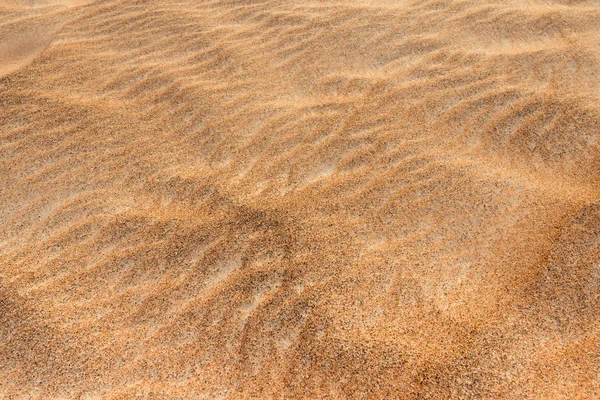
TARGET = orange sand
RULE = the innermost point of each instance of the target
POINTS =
(300, 199)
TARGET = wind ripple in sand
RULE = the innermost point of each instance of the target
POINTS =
(353, 199)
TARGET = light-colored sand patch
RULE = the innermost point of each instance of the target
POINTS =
(20, 48)
(34, 4)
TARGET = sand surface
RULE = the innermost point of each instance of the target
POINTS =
(300, 199)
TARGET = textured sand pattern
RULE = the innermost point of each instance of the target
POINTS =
(300, 199)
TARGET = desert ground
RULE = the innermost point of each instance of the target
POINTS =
(299, 199)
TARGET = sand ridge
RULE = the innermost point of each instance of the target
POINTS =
(300, 199)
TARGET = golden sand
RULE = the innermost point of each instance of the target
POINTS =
(300, 199)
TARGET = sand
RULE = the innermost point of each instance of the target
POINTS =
(300, 199)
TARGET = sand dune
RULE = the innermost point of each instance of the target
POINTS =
(300, 199)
